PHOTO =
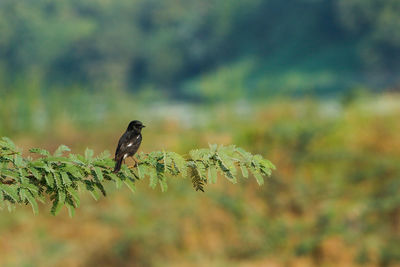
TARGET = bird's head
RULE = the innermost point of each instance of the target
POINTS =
(135, 126)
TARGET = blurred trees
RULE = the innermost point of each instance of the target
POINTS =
(377, 25)
(333, 200)
(176, 46)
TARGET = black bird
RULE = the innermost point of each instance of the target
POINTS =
(129, 143)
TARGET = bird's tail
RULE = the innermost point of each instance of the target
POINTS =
(118, 165)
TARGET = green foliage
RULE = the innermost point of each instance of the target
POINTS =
(162, 45)
(60, 177)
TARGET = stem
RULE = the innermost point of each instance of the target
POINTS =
(8, 182)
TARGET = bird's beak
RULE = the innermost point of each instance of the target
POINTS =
(143, 126)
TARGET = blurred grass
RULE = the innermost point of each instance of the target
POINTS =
(333, 200)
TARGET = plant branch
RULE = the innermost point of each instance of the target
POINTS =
(59, 177)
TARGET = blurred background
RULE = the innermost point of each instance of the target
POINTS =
(312, 85)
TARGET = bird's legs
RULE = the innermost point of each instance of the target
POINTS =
(135, 165)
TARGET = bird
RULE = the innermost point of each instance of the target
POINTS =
(128, 144)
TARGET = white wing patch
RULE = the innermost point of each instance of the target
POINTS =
(125, 156)
(130, 144)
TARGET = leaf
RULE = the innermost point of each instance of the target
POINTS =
(103, 155)
(18, 161)
(40, 151)
(60, 150)
(71, 210)
(246, 155)
(95, 194)
(141, 169)
(270, 164)
(258, 177)
(113, 176)
(75, 196)
(61, 196)
(49, 179)
(89, 154)
(35, 173)
(10, 174)
(213, 148)
(126, 171)
(245, 172)
(212, 174)
(40, 198)
(31, 187)
(8, 143)
(163, 184)
(1, 199)
(78, 159)
(99, 174)
(39, 164)
(201, 169)
(10, 207)
(104, 163)
(53, 159)
(153, 178)
(27, 195)
(101, 188)
(74, 171)
(227, 162)
(22, 176)
(56, 208)
(118, 183)
(130, 185)
(197, 181)
(11, 191)
(65, 179)
(166, 161)
(225, 170)
(58, 180)
(180, 163)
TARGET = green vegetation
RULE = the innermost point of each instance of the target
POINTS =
(24, 180)
(310, 85)
(185, 49)
(333, 199)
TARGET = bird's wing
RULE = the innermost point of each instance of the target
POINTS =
(127, 143)
(118, 149)
(121, 145)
